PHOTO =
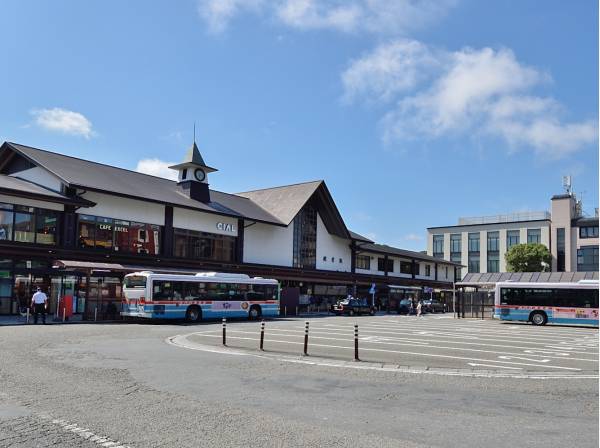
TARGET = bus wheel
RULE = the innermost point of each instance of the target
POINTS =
(538, 318)
(193, 314)
(254, 312)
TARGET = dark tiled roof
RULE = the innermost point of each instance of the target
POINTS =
(385, 249)
(14, 186)
(474, 278)
(283, 202)
(110, 179)
(359, 237)
(585, 221)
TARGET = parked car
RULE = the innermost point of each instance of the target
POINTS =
(353, 307)
(404, 307)
(433, 306)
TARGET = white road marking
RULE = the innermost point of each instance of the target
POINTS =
(400, 352)
(491, 365)
(181, 342)
(524, 359)
(85, 433)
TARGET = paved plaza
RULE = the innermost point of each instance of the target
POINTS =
(429, 382)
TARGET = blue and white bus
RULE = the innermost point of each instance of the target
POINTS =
(204, 295)
(542, 303)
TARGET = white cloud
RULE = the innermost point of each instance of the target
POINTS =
(64, 121)
(156, 167)
(218, 13)
(473, 92)
(374, 16)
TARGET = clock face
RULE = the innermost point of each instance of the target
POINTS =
(199, 174)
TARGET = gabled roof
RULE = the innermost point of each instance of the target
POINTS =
(13, 186)
(358, 237)
(385, 249)
(93, 176)
(285, 202)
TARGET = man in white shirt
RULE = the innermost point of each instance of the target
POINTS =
(39, 302)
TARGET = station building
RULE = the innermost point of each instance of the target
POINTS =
(76, 227)
(480, 244)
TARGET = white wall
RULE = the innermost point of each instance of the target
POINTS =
(267, 244)
(204, 222)
(331, 246)
(40, 176)
(109, 206)
(31, 202)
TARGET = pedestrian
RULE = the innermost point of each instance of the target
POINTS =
(419, 308)
(39, 303)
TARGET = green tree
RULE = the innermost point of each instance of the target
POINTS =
(528, 258)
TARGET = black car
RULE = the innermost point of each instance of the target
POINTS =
(405, 307)
(433, 306)
(353, 307)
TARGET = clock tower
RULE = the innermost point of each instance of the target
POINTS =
(193, 175)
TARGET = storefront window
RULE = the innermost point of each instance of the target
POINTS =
(181, 243)
(6, 221)
(122, 236)
(24, 224)
(104, 233)
(144, 238)
(203, 245)
(87, 231)
(46, 225)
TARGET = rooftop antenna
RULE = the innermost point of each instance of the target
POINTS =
(194, 132)
(567, 184)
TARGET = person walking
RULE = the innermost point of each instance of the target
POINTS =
(39, 303)
(419, 308)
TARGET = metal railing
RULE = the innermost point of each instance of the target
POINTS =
(509, 217)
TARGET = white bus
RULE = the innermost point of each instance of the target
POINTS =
(542, 303)
(204, 295)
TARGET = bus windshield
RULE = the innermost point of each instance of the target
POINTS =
(135, 281)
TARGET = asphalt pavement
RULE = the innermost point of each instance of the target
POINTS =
(175, 385)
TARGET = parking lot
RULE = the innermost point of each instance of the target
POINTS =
(434, 343)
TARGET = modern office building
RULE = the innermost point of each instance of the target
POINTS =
(76, 227)
(480, 243)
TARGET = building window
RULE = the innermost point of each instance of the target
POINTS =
(438, 246)
(512, 238)
(203, 245)
(474, 242)
(405, 267)
(305, 238)
(26, 224)
(587, 259)
(493, 262)
(363, 262)
(446, 271)
(560, 250)
(474, 262)
(118, 235)
(455, 243)
(493, 241)
(381, 265)
(427, 270)
(588, 232)
(534, 236)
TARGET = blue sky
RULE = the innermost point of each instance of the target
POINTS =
(414, 112)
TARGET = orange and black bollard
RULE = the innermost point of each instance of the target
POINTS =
(356, 343)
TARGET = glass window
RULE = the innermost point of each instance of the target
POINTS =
(455, 243)
(122, 236)
(193, 244)
(493, 242)
(6, 224)
(560, 250)
(104, 233)
(534, 236)
(493, 262)
(587, 259)
(588, 232)
(24, 225)
(438, 245)
(381, 266)
(405, 267)
(181, 243)
(144, 238)
(428, 270)
(305, 238)
(46, 227)
(474, 262)
(512, 238)
(473, 243)
(87, 231)
(363, 262)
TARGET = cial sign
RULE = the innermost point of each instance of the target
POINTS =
(224, 227)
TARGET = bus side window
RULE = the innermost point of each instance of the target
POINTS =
(177, 292)
(256, 293)
(161, 290)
